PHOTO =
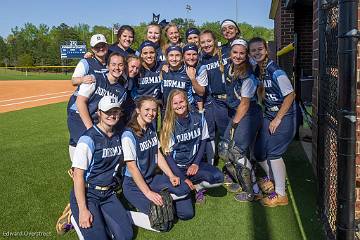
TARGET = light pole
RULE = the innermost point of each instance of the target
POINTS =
(188, 9)
(236, 11)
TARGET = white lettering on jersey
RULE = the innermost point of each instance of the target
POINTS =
(216, 64)
(148, 144)
(111, 152)
(148, 80)
(267, 83)
(103, 92)
(188, 136)
(174, 84)
(272, 97)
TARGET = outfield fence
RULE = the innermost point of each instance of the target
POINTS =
(36, 72)
(330, 163)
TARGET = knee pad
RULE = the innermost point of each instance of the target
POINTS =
(223, 150)
(244, 177)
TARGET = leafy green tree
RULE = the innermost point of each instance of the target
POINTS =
(25, 60)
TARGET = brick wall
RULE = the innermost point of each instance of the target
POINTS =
(303, 21)
(284, 29)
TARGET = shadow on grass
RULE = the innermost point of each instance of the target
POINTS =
(303, 185)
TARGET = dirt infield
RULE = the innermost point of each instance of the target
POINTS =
(16, 95)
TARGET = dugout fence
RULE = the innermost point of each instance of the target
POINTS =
(335, 163)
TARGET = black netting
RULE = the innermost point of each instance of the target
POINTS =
(328, 124)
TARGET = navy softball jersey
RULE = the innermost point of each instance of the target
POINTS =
(215, 78)
(241, 87)
(187, 135)
(115, 48)
(176, 80)
(94, 92)
(86, 66)
(249, 125)
(277, 86)
(99, 156)
(188, 147)
(148, 82)
(143, 150)
(226, 49)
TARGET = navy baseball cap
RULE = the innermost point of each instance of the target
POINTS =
(189, 47)
(192, 31)
(173, 48)
(146, 43)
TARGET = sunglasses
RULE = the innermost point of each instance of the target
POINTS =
(100, 45)
(112, 112)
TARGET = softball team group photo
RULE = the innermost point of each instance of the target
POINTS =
(152, 129)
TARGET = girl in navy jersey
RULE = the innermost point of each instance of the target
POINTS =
(216, 111)
(246, 114)
(172, 35)
(183, 140)
(148, 81)
(153, 34)
(82, 106)
(197, 74)
(125, 35)
(96, 64)
(97, 156)
(278, 128)
(230, 31)
(192, 36)
(176, 77)
(142, 156)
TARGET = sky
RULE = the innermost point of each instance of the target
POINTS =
(108, 12)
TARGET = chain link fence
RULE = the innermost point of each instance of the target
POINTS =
(327, 115)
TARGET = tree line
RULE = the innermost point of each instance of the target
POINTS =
(33, 45)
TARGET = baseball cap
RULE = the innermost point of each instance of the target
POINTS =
(239, 42)
(108, 102)
(97, 38)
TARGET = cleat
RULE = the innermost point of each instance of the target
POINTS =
(234, 188)
(244, 197)
(274, 200)
(200, 196)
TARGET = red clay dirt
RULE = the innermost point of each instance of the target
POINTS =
(16, 95)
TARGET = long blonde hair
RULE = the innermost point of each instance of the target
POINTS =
(167, 128)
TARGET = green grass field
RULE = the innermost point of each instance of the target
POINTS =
(7, 74)
(35, 188)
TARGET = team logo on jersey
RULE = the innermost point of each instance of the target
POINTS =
(174, 84)
(148, 144)
(188, 135)
(111, 152)
(215, 64)
(149, 80)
